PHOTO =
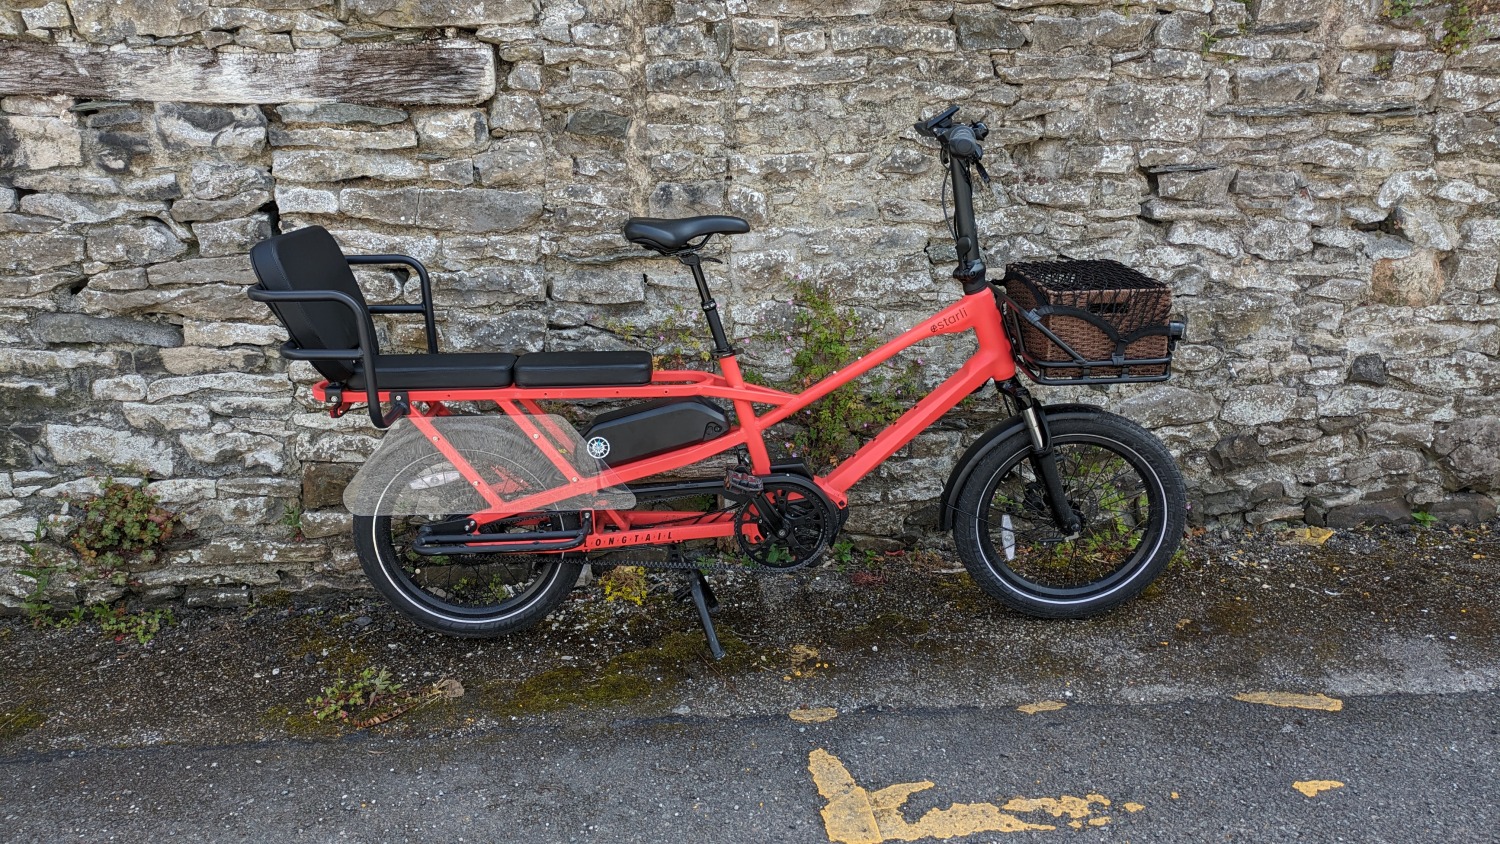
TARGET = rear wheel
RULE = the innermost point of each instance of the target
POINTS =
(1119, 480)
(463, 594)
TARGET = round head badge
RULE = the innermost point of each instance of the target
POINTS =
(598, 448)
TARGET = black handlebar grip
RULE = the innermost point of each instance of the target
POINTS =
(929, 127)
(963, 144)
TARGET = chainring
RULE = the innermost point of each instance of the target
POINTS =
(788, 525)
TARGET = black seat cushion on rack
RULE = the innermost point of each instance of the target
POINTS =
(583, 369)
(665, 235)
(454, 371)
(310, 259)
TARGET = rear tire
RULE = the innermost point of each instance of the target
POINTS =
(1122, 483)
(473, 595)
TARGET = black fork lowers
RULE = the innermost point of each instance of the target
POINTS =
(1043, 458)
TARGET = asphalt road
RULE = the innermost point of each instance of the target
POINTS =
(1409, 768)
(609, 724)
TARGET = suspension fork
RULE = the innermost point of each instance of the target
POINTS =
(1043, 458)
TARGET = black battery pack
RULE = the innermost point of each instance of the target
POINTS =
(654, 427)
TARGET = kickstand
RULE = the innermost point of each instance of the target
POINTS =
(703, 598)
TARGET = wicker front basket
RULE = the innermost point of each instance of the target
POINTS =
(1110, 323)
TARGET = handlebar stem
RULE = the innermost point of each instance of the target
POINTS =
(971, 269)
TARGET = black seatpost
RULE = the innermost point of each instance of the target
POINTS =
(710, 308)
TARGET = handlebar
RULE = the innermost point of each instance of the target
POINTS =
(961, 149)
(959, 140)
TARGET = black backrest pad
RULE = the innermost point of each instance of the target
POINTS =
(310, 259)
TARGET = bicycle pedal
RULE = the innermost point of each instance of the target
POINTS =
(740, 485)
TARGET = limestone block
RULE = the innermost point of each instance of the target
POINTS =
(74, 208)
(121, 388)
(237, 132)
(1426, 226)
(428, 13)
(1165, 405)
(813, 8)
(512, 162)
(600, 123)
(599, 286)
(182, 490)
(191, 360)
(231, 237)
(1365, 36)
(1213, 238)
(36, 253)
(1415, 281)
(1210, 186)
(103, 448)
(807, 41)
(1468, 92)
(231, 270)
(759, 35)
(685, 76)
(486, 287)
(1471, 451)
(322, 524)
(473, 210)
(514, 113)
(524, 77)
(1110, 29)
(220, 334)
(239, 205)
(39, 143)
(249, 450)
(451, 131)
(217, 179)
(361, 139)
(1258, 405)
(980, 28)
(327, 165)
(1278, 240)
(224, 382)
(1280, 83)
(79, 329)
(294, 200)
(1149, 112)
(166, 417)
(137, 244)
(113, 21)
(901, 39)
(780, 73)
(684, 199)
(339, 113)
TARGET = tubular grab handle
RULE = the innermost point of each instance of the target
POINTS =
(366, 351)
(424, 308)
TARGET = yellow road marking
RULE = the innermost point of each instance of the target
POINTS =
(856, 815)
(1136, 807)
(816, 715)
(1042, 706)
(1293, 700)
(1311, 788)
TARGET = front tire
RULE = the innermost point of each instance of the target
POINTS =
(1121, 482)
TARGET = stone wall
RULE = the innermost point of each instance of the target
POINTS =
(1316, 178)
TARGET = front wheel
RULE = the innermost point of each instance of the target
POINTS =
(1120, 482)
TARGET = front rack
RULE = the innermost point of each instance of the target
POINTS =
(1089, 322)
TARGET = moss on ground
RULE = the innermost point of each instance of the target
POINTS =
(630, 676)
(17, 721)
